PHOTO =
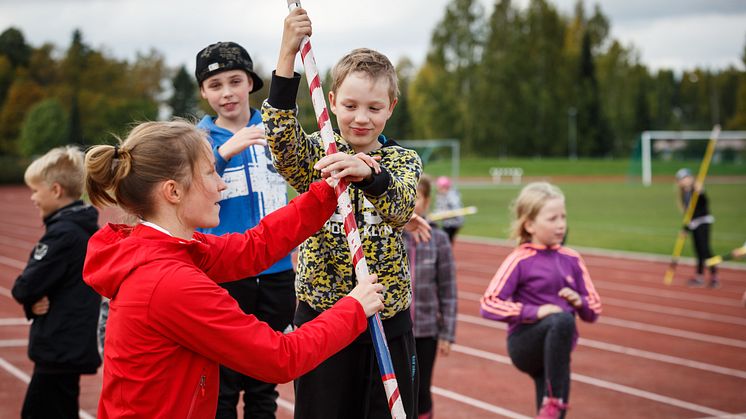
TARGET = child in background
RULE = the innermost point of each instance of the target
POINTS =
(63, 309)
(362, 97)
(699, 226)
(538, 290)
(170, 323)
(448, 198)
(434, 301)
(226, 78)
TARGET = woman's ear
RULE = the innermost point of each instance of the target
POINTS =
(171, 191)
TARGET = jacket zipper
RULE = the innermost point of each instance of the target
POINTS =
(199, 391)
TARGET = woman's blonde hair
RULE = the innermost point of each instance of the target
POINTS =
(126, 173)
(63, 165)
(528, 204)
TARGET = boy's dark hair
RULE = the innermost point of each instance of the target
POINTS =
(224, 56)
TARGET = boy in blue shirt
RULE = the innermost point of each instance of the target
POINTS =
(226, 78)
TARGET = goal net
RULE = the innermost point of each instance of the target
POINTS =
(439, 157)
(687, 145)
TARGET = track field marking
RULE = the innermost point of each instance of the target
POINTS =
(13, 343)
(5, 292)
(476, 403)
(674, 311)
(12, 370)
(13, 242)
(14, 321)
(13, 263)
(624, 350)
(458, 397)
(676, 295)
(478, 353)
(662, 330)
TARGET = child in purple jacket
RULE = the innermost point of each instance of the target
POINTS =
(537, 290)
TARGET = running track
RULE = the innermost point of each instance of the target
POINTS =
(656, 352)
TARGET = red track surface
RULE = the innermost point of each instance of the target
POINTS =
(657, 352)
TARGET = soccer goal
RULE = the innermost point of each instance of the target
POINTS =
(445, 151)
(672, 140)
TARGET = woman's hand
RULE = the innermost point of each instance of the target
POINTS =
(369, 294)
(571, 296)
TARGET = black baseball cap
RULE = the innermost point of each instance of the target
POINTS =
(224, 56)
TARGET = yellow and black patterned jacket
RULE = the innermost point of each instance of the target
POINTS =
(381, 207)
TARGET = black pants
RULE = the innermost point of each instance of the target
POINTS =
(542, 350)
(427, 349)
(701, 240)
(52, 396)
(271, 298)
(348, 385)
(451, 231)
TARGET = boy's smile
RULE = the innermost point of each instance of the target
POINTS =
(362, 107)
(228, 94)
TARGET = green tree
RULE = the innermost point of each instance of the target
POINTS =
(45, 127)
(22, 95)
(183, 101)
(13, 45)
(593, 135)
(443, 87)
(399, 126)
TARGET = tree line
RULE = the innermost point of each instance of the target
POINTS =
(506, 82)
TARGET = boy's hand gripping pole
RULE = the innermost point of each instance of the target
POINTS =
(681, 238)
(353, 237)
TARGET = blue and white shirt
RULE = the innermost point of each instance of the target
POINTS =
(254, 190)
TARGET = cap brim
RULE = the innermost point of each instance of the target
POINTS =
(258, 83)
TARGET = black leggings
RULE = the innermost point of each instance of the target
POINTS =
(701, 239)
(542, 350)
(427, 349)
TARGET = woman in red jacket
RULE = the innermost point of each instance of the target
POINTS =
(170, 324)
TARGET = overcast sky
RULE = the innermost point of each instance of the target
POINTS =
(678, 34)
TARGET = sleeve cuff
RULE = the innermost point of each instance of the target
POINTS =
(377, 185)
(220, 162)
(283, 91)
(529, 313)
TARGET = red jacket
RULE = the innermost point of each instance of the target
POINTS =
(170, 324)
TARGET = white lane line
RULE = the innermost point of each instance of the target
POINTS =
(5, 292)
(477, 403)
(610, 347)
(13, 263)
(478, 353)
(659, 293)
(674, 311)
(458, 397)
(627, 324)
(12, 370)
(13, 343)
(14, 321)
(662, 330)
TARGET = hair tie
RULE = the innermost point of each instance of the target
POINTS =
(116, 151)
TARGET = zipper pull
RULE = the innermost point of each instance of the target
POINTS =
(202, 385)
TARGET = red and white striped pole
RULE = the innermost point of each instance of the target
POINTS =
(353, 236)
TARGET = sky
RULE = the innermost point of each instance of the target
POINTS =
(674, 34)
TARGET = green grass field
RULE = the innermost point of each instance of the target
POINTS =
(621, 216)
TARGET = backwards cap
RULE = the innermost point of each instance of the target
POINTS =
(224, 56)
